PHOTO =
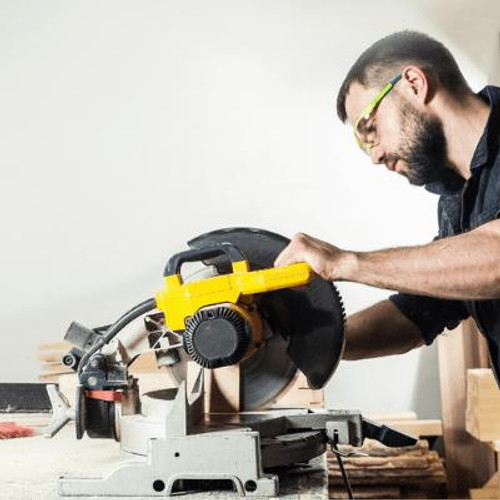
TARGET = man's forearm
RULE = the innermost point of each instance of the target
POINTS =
(380, 330)
(460, 267)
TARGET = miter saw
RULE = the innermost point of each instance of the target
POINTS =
(237, 311)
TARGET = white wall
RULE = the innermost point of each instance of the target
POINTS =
(128, 127)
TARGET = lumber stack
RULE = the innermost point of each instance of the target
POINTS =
(388, 472)
(50, 356)
(482, 417)
(144, 367)
(52, 368)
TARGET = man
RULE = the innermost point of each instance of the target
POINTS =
(412, 110)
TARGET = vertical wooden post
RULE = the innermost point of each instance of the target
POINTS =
(222, 389)
(469, 463)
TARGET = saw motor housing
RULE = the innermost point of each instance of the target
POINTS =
(218, 316)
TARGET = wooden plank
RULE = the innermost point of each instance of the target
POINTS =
(222, 389)
(433, 472)
(418, 428)
(55, 368)
(484, 493)
(495, 446)
(469, 463)
(391, 479)
(374, 448)
(50, 356)
(62, 346)
(483, 405)
(366, 493)
(384, 417)
(51, 377)
(394, 462)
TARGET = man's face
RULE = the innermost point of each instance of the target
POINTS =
(408, 141)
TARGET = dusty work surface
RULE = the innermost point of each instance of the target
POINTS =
(29, 468)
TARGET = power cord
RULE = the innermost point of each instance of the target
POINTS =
(338, 454)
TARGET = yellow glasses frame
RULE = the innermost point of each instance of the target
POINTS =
(369, 112)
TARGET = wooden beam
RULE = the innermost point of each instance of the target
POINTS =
(469, 463)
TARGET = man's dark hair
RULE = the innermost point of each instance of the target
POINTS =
(383, 60)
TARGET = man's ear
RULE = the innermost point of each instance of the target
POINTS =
(416, 86)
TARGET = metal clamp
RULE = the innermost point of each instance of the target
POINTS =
(62, 413)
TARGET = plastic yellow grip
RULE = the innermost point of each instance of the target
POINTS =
(180, 300)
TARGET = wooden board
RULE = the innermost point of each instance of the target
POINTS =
(469, 463)
(484, 493)
(483, 405)
(366, 492)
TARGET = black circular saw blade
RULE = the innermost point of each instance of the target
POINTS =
(310, 318)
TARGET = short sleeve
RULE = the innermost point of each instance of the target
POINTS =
(431, 315)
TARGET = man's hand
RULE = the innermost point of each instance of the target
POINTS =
(325, 259)
(462, 267)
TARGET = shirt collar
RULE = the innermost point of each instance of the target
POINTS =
(449, 183)
(488, 143)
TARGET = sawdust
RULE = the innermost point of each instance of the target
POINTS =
(29, 467)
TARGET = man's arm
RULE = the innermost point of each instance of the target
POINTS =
(461, 267)
(380, 330)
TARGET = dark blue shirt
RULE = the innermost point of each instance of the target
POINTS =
(463, 206)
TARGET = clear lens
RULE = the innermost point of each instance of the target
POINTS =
(365, 129)
(365, 132)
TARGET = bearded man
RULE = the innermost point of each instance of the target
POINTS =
(412, 110)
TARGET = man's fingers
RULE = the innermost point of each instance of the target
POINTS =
(293, 252)
(285, 257)
(281, 259)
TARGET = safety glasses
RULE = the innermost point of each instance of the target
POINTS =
(364, 127)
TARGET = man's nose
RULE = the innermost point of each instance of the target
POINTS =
(377, 154)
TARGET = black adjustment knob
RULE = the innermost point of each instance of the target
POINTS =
(216, 337)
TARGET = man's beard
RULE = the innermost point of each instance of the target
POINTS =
(424, 148)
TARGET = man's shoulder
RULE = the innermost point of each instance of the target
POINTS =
(489, 93)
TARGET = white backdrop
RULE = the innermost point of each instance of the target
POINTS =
(127, 127)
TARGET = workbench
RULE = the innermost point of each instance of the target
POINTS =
(29, 468)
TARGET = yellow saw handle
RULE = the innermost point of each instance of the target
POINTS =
(178, 300)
